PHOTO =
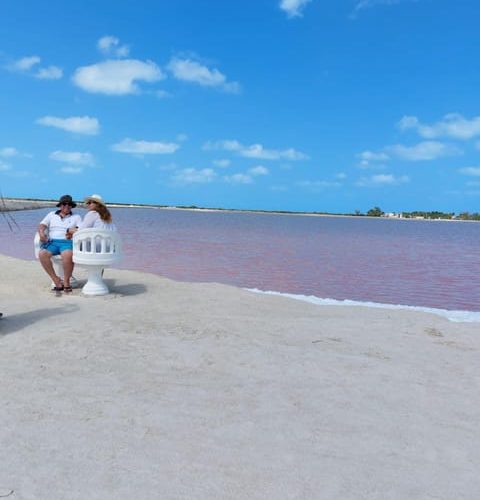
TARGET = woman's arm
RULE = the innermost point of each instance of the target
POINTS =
(89, 219)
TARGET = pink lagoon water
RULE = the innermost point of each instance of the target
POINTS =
(409, 262)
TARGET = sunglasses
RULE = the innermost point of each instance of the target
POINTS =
(90, 203)
(66, 204)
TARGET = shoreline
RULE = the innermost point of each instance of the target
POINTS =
(453, 315)
(224, 391)
(18, 204)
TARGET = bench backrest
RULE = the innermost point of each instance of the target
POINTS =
(96, 246)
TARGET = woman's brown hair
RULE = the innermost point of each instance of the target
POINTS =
(103, 211)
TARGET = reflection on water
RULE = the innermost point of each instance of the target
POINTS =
(424, 263)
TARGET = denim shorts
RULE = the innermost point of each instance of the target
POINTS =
(56, 247)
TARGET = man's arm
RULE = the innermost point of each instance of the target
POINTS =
(42, 232)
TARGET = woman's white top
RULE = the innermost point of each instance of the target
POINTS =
(92, 219)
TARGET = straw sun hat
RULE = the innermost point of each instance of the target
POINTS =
(96, 198)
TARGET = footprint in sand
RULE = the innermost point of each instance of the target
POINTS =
(433, 332)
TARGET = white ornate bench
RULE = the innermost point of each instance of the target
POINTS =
(96, 249)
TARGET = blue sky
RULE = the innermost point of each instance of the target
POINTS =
(303, 105)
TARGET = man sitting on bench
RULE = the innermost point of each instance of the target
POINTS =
(58, 241)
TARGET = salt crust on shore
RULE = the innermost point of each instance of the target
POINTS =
(168, 390)
(19, 204)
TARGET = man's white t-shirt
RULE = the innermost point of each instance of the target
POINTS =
(58, 226)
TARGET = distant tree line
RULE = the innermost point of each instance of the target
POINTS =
(469, 216)
(435, 214)
(375, 212)
(429, 215)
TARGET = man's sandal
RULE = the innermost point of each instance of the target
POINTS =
(67, 289)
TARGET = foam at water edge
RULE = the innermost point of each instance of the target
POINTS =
(456, 316)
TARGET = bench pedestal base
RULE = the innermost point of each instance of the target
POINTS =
(95, 284)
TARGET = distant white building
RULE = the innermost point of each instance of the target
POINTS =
(393, 215)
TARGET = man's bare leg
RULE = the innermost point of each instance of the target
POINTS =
(45, 259)
(67, 259)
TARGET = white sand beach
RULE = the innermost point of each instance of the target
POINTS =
(168, 390)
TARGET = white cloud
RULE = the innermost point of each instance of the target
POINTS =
(372, 156)
(20, 174)
(116, 77)
(293, 8)
(25, 63)
(364, 164)
(238, 179)
(256, 151)
(227, 145)
(145, 147)
(8, 152)
(73, 157)
(366, 4)
(278, 188)
(473, 192)
(49, 73)
(452, 125)
(473, 171)
(258, 170)
(110, 46)
(370, 159)
(407, 122)
(4, 166)
(224, 163)
(247, 177)
(162, 94)
(76, 124)
(427, 150)
(341, 175)
(71, 170)
(167, 167)
(194, 176)
(382, 180)
(318, 185)
(194, 72)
